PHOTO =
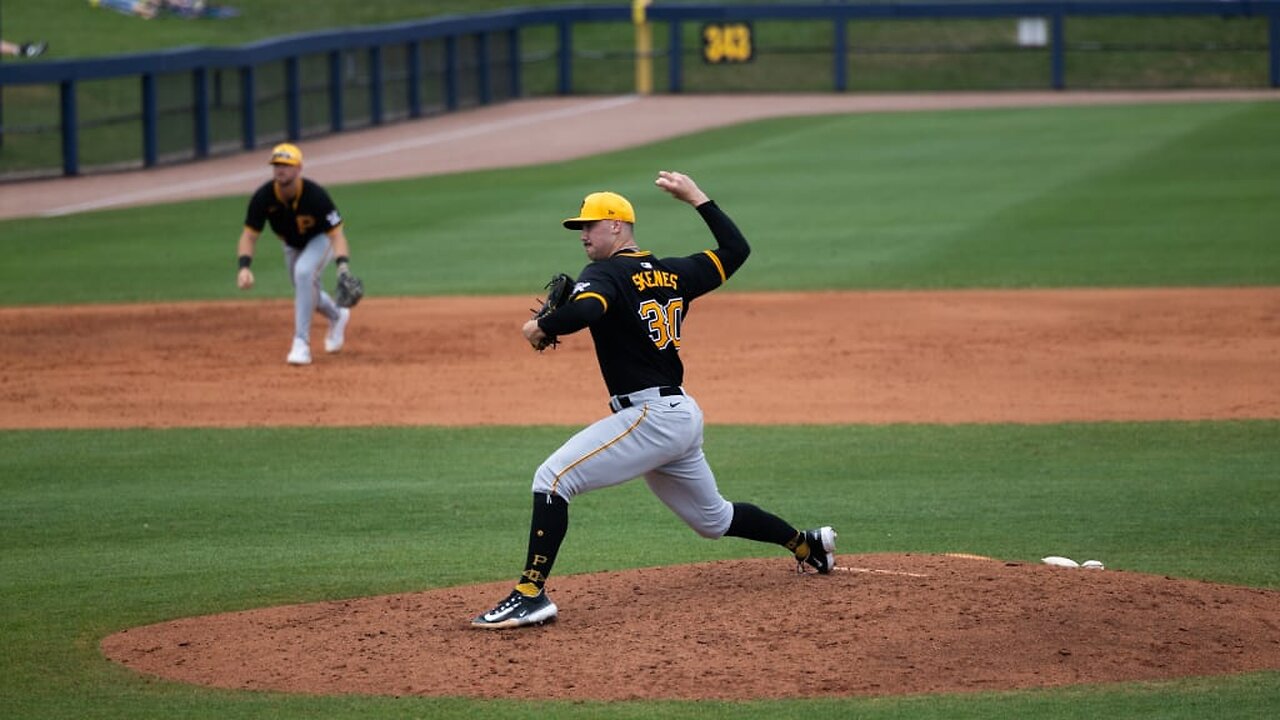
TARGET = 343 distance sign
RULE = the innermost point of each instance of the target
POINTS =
(727, 43)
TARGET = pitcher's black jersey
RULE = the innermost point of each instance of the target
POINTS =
(635, 304)
(311, 212)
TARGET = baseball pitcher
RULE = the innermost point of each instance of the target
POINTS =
(635, 303)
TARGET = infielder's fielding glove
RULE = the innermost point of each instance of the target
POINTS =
(349, 290)
(558, 292)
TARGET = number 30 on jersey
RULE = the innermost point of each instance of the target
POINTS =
(664, 321)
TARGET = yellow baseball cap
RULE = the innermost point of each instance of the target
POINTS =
(602, 206)
(286, 154)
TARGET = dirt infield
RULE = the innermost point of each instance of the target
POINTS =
(770, 358)
(881, 625)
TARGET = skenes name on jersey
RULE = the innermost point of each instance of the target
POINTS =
(654, 278)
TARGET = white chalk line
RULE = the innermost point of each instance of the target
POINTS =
(383, 149)
(873, 571)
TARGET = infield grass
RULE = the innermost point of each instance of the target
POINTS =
(104, 530)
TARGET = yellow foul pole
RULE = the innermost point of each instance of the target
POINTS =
(644, 47)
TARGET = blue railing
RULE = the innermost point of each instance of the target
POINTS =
(495, 58)
(244, 61)
(1056, 12)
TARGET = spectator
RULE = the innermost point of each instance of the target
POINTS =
(185, 8)
(150, 8)
(142, 8)
(24, 50)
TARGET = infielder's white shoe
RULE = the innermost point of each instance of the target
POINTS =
(334, 339)
(821, 555)
(300, 354)
(518, 610)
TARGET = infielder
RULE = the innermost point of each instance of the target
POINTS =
(635, 304)
(304, 218)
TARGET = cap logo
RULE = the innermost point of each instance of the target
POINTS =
(601, 206)
(286, 154)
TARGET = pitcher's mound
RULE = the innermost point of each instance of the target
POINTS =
(734, 630)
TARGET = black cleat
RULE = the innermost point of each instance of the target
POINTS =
(518, 610)
(820, 551)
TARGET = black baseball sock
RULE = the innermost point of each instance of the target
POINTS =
(546, 531)
(752, 523)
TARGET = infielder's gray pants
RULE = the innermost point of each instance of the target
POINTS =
(306, 270)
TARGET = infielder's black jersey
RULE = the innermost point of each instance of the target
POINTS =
(310, 213)
(635, 304)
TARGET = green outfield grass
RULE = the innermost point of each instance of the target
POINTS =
(1115, 196)
(104, 530)
(74, 29)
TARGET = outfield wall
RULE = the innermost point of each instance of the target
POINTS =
(77, 116)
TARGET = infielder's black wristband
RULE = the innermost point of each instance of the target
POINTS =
(342, 260)
(245, 261)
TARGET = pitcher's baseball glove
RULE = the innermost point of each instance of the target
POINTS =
(348, 291)
(558, 292)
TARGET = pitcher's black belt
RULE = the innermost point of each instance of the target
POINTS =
(621, 402)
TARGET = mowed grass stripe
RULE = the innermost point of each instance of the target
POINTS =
(1064, 197)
